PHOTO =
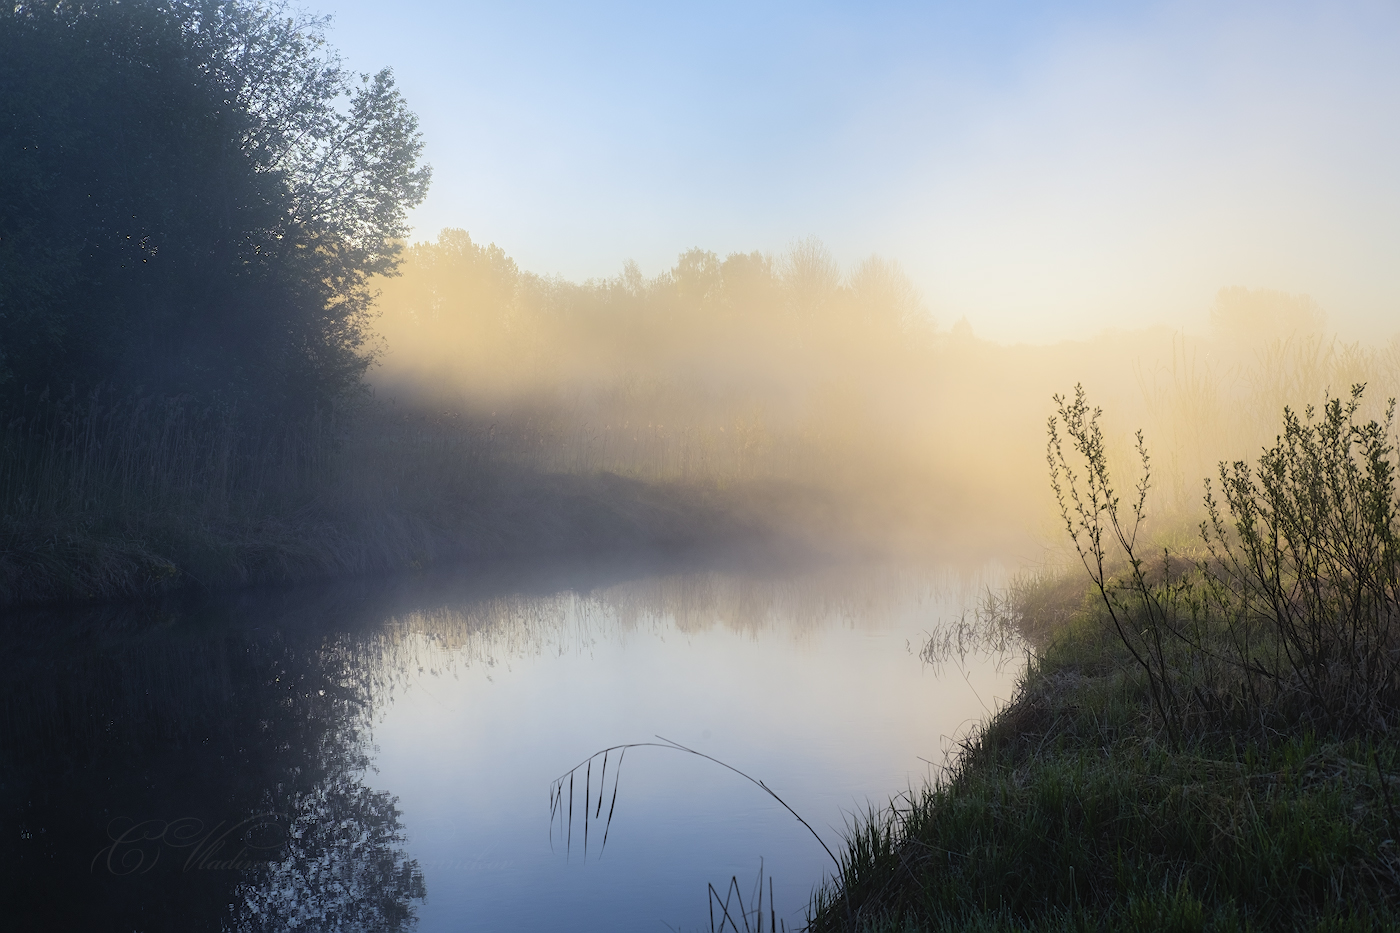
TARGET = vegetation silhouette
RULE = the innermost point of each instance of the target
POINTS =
(196, 196)
(562, 809)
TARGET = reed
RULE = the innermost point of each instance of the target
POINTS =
(102, 455)
(732, 894)
(562, 810)
(731, 904)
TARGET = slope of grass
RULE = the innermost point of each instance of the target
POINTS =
(1072, 809)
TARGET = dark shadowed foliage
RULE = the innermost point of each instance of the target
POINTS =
(194, 197)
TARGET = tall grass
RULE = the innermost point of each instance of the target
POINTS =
(562, 795)
(731, 906)
(1074, 809)
(107, 496)
(101, 493)
(101, 455)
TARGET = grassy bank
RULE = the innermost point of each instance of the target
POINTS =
(1073, 810)
(108, 497)
(1205, 740)
(509, 516)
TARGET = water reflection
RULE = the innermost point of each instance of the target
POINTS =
(193, 768)
(233, 763)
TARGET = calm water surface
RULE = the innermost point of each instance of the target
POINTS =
(322, 758)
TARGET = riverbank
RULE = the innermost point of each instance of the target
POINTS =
(108, 497)
(1074, 808)
(503, 515)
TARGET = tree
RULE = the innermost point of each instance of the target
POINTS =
(883, 293)
(197, 196)
(811, 277)
(697, 275)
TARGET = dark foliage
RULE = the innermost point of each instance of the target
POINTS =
(195, 196)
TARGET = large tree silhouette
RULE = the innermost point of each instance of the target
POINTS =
(195, 197)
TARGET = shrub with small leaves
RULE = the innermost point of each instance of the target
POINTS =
(1306, 571)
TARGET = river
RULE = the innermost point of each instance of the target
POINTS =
(379, 754)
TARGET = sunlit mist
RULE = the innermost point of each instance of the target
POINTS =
(829, 399)
(409, 411)
(1045, 171)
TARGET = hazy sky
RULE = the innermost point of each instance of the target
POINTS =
(1046, 170)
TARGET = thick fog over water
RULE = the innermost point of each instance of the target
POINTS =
(758, 375)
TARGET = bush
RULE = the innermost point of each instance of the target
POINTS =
(1291, 610)
(1311, 558)
(195, 198)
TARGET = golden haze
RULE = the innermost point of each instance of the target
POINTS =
(832, 398)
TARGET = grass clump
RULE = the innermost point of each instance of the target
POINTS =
(1205, 742)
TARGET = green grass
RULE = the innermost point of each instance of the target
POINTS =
(1072, 809)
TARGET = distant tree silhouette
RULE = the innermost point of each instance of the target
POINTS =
(1254, 316)
(195, 197)
(882, 293)
(811, 277)
(697, 275)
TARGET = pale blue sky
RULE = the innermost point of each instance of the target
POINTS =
(1046, 170)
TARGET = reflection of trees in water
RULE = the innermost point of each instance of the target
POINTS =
(246, 723)
(342, 867)
(493, 630)
(194, 770)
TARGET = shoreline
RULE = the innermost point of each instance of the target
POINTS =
(497, 513)
(1070, 809)
(524, 515)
